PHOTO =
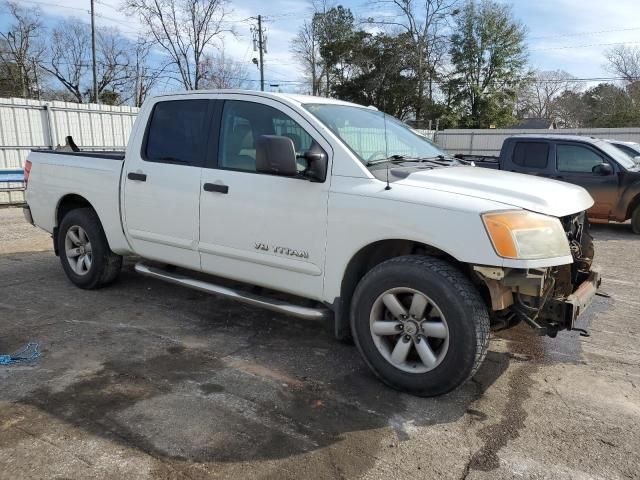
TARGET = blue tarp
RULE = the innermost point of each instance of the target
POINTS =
(16, 175)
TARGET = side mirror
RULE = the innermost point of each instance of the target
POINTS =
(276, 155)
(602, 169)
(317, 163)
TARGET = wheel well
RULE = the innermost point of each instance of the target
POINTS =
(363, 261)
(65, 205)
(68, 203)
(632, 206)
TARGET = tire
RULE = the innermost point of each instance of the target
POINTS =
(103, 266)
(635, 220)
(457, 330)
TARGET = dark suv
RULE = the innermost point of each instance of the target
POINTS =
(609, 175)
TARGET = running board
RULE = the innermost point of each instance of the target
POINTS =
(243, 297)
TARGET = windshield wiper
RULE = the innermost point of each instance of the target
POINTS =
(406, 158)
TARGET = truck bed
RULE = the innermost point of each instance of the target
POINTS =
(109, 155)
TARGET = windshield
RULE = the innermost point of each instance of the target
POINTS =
(363, 131)
(618, 155)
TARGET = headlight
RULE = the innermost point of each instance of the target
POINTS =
(526, 235)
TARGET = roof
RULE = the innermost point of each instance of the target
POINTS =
(291, 97)
(556, 136)
(621, 142)
(542, 123)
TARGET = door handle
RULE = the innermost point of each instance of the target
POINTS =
(140, 177)
(215, 187)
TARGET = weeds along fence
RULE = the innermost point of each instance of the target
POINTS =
(31, 124)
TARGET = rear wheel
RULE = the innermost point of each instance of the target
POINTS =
(420, 325)
(635, 220)
(84, 251)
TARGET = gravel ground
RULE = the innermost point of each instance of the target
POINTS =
(147, 380)
(16, 235)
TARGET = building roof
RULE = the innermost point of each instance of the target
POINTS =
(542, 123)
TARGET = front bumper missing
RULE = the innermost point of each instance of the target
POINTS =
(579, 301)
(562, 313)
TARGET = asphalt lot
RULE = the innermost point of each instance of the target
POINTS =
(148, 380)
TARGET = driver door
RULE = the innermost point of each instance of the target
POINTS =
(260, 228)
(575, 164)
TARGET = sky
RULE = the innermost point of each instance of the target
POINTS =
(571, 35)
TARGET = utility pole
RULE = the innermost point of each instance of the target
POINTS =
(261, 48)
(137, 87)
(259, 44)
(93, 53)
(35, 75)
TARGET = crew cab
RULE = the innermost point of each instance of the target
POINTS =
(611, 176)
(323, 209)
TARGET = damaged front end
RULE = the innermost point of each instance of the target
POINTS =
(547, 299)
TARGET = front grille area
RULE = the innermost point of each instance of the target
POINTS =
(581, 243)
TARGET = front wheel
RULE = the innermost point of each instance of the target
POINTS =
(420, 324)
(635, 220)
(84, 251)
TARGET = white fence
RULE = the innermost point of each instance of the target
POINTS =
(30, 124)
(489, 142)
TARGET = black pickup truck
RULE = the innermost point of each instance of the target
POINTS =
(610, 176)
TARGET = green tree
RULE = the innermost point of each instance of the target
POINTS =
(610, 106)
(10, 85)
(489, 56)
(380, 74)
(337, 38)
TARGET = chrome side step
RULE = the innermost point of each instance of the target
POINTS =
(243, 297)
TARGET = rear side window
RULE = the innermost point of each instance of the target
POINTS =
(531, 154)
(177, 132)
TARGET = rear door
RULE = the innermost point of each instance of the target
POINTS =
(162, 182)
(574, 164)
(260, 228)
(531, 157)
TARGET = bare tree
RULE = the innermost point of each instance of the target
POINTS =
(305, 47)
(184, 29)
(426, 22)
(221, 72)
(142, 77)
(69, 61)
(624, 61)
(540, 93)
(22, 45)
(114, 72)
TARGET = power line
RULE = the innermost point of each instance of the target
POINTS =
(584, 46)
(579, 34)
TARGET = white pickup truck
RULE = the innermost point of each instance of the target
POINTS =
(338, 212)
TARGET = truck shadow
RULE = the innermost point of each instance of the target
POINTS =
(169, 406)
(265, 388)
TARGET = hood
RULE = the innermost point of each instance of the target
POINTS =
(542, 195)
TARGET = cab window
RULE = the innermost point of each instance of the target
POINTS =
(531, 154)
(177, 133)
(575, 158)
(243, 122)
